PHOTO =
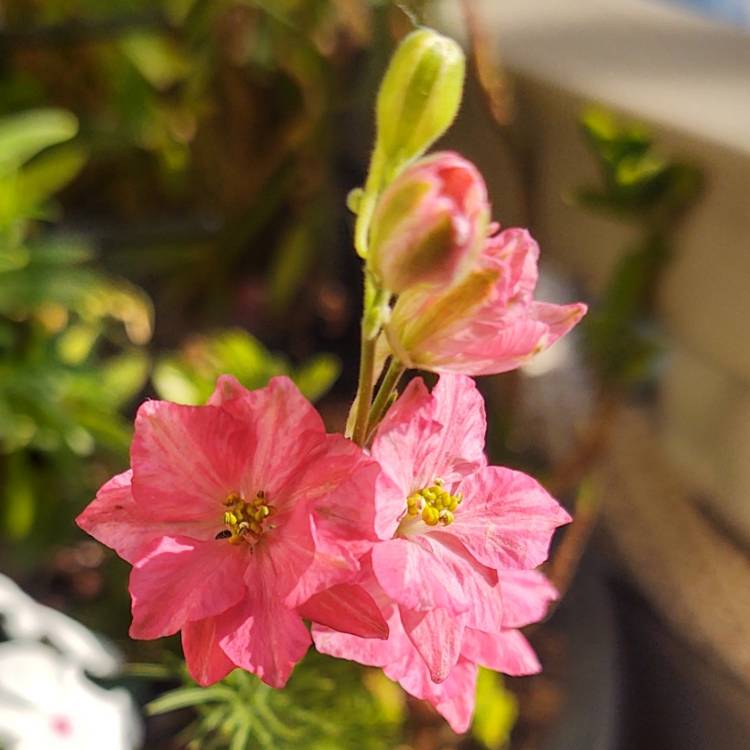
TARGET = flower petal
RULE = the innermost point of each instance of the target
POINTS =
(507, 518)
(437, 636)
(347, 608)
(406, 425)
(458, 709)
(457, 449)
(418, 578)
(559, 319)
(286, 428)
(429, 435)
(181, 579)
(263, 636)
(526, 596)
(507, 652)
(478, 582)
(339, 484)
(115, 519)
(187, 459)
(206, 661)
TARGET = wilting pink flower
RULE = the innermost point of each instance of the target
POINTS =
(485, 323)
(429, 224)
(241, 517)
(454, 574)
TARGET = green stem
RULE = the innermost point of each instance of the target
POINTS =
(364, 389)
(380, 405)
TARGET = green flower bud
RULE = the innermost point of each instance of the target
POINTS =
(419, 96)
(418, 100)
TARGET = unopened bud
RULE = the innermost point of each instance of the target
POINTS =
(418, 100)
(429, 224)
(419, 96)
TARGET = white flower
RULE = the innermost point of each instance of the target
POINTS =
(46, 703)
(24, 619)
(46, 700)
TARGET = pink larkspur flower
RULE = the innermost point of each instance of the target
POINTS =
(454, 573)
(488, 321)
(429, 223)
(240, 518)
(525, 597)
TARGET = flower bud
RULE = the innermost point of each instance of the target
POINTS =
(417, 101)
(429, 224)
(419, 96)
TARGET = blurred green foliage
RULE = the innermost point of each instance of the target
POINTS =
(189, 377)
(224, 113)
(496, 711)
(70, 336)
(328, 704)
(652, 193)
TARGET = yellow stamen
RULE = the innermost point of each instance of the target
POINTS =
(245, 519)
(434, 504)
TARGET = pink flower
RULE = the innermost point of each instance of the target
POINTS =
(525, 598)
(241, 517)
(454, 574)
(487, 322)
(429, 223)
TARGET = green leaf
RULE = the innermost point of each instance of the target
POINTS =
(123, 375)
(186, 697)
(48, 174)
(156, 58)
(496, 711)
(175, 382)
(24, 135)
(20, 502)
(290, 268)
(317, 375)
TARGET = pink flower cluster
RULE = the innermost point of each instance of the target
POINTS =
(244, 518)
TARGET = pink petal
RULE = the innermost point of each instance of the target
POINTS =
(346, 608)
(458, 710)
(458, 448)
(437, 636)
(517, 252)
(507, 652)
(181, 579)
(426, 436)
(478, 582)
(406, 425)
(187, 459)
(486, 347)
(416, 577)
(302, 561)
(401, 662)
(116, 520)
(263, 636)
(526, 596)
(206, 661)
(339, 483)
(559, 319)
(372, 652)
(507, 518)
(286, 429)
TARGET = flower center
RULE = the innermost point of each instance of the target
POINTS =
(245, 520)
(61, 726)
(434, 503)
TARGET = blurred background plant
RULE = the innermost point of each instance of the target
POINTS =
(70, 336)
